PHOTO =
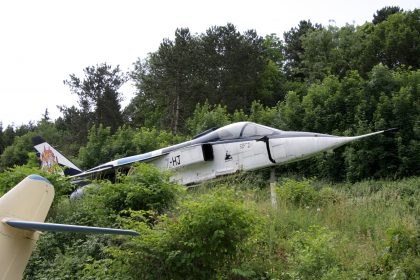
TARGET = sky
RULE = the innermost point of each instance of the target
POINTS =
(42, 42)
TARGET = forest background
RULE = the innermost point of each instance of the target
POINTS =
(337, 80)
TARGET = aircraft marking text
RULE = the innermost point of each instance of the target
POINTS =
(246, 145)
(175, 161)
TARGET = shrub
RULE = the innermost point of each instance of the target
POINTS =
(401, 257)
(202, 239)
(145, 188)
(299, 193)
(208, 233)
(328, 195)
(12, 176)
(207, 116)
(314, 254)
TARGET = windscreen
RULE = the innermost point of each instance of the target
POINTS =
(237, 131)
(252, 129)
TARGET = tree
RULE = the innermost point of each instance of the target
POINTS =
(17, 153)
(331, 51)
(206, 117)
(399, 39)
(234, 63)
(294, 50)
(393, 42)
(273, 82)
(167, 83)
(46, 116)
(383, 14)
(8, 136)
(97, 149)
(222, 66)
(99, 96)
(76, 123)
(103, 146)
(319, 53)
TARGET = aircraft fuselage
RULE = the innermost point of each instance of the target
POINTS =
(241, 146)
(232, 149)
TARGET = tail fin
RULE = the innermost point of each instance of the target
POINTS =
(22, 214)
(30, 200)
(52, 160)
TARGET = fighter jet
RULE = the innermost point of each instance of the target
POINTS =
(241, 146)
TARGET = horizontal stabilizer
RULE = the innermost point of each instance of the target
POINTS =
(66, 228)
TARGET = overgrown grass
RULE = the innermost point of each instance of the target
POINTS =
(318, 230)
(366, 230)
(372, 229)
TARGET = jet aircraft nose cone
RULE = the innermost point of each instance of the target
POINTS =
(294, 146)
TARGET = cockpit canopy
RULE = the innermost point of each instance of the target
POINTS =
(238, 130)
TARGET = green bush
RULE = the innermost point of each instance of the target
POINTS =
(314, 254)
(305, 194)
(207, 116)
(12, 176)
(145, 188)
(400, 258)
(202, 239)
(298, 193)
(328, 195)
(402, 240)
(208, 233)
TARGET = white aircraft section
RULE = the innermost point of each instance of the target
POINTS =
(234, 156)
(17, 245)
(23, 210)
(228, 158)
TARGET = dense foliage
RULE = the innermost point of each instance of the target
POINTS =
(367, 230)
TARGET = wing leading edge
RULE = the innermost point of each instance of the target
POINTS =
(66, 228)
(120, 163)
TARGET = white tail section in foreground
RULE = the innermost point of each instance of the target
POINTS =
(30, 200)
(22, 214)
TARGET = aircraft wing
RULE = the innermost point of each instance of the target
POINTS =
(66, 228)
(95, 170)
(121, 162)
(140, 158)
